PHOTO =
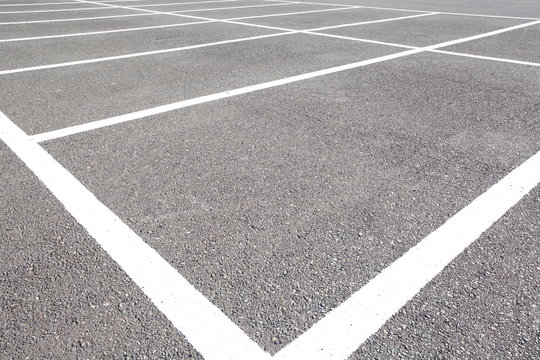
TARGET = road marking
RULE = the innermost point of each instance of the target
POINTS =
(368, 41)
(315, 33)
(244, 90)
(208, 20)
(109, 7)
(411, 10)
(187, 3)
(227, 8)
(345, 328)
(71, 2)
(191, 47)
(511, 61)
(139, 54)
(140, 28)
(105, 31)
(53, 10)
(196, 23)
(210, 331)
(54, 134)
(373, 21)
(41, 4)
(73, 19)
(335, 336)
(295, 13)
(173, 12)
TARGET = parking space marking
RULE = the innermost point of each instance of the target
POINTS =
(373, 21)
(139, 54)
(491, 58)
(53, 10)
(410, 10)
(284, 31)
(231, 21)
(227, 8)
(335, 336)
(74, 19)
(105, 31)
(296, 13)
(164, 26)
(345, 328)
(180, 11)
(188, 3)
(453, 53)
(208, 329)
(71, 130)
(70, 2)
(196, 23)
(309, 31)
(108, 7)
(42, 4)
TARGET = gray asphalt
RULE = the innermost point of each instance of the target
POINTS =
(61, 296)
(279, 204)
(483, 305)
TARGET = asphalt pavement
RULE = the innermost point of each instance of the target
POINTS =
(278, 167)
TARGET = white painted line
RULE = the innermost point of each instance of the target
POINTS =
(205, 18)
(224, 8)
(173, 13)
(359, 40)
(137, 28)
(244, 90)
(313, 3)
(489, 16)
(295, 13)
(150, 27)
(373, 21)
(207, 98)
(334, 337)
(108, 7)
(119, 1)
(145, 53)
(41, 4)
(312, 31)
(480, 36)
(53, 10)
(337, 4)
(411, 10)
(146, 27)
(155, 52)
(187, 3)
(511, 61)
(230, 21)
(159, 13)
(210, 331)
(308, 31)
(346, 327)
(71, 2)
(74, 19)
(104, 31)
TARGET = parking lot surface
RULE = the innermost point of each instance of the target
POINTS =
(257, 179)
